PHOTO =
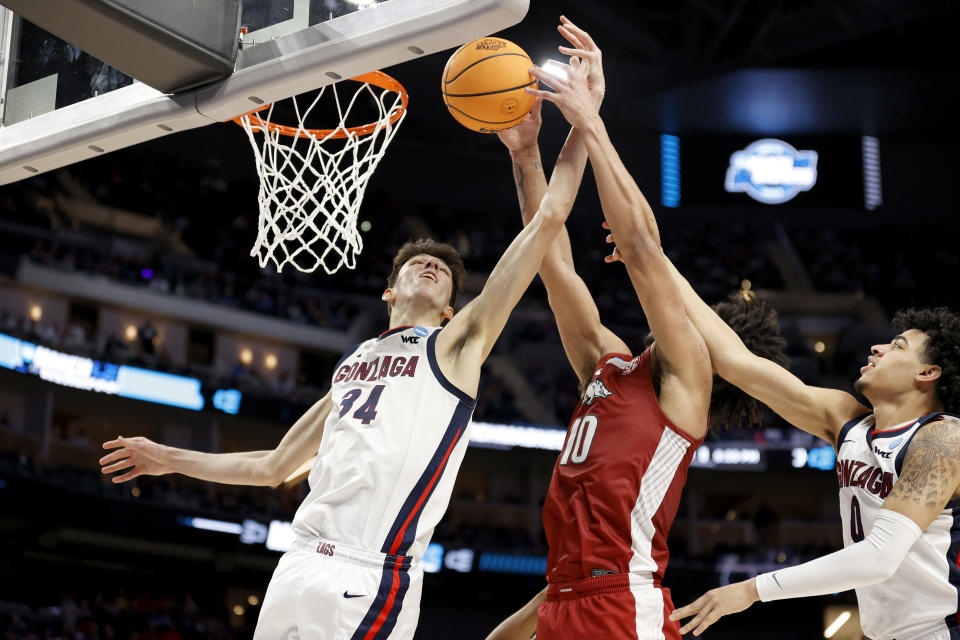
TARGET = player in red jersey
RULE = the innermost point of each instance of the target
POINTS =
(617, 482)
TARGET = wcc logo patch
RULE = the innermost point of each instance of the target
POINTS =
(490, 44)
(771, 171)
(596, 389)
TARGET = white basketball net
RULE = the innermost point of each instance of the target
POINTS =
(310, 195)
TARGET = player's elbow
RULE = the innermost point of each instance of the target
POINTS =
(877, 568)
(553, 211)
(270, 472)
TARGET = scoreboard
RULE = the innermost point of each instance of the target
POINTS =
(839, 171)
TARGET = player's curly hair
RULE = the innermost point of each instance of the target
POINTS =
(430, 247)
(942, 328)
(757, 326)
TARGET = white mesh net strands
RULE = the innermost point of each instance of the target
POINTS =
(312, 181)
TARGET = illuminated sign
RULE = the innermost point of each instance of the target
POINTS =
(505, 436)
(105, 377)
(771, 171)
(513, 563)
(432, 559)
(816, 458)
(227, 400)
(742, 457)
(280, 536)
(459, 560)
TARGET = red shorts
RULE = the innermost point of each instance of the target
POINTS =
(619, 606)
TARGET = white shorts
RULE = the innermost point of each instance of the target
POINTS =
(326, 590)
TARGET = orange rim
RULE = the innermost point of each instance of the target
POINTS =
(376, 78)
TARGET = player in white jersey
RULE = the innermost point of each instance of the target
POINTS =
(899, 471)
(389, 438)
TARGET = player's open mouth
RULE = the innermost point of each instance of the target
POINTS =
(870, 365)
(429, 275)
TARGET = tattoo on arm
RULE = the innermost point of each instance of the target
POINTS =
(518, 179)
(521, 191)
(932, 464)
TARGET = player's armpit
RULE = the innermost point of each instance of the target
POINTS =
(930, 476)
(300, 443)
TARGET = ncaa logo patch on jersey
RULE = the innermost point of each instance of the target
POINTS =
(596, 389)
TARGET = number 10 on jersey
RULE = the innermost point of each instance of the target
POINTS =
(579, 440)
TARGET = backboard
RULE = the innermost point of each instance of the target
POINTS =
(60, 105)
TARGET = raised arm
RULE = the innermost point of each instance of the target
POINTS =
(687, 376)
(584, 337)
(816, 410)
(929, 479)
(139, 456)
(467, 340)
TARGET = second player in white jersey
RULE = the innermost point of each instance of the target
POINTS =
(389, 396)
(920, 599)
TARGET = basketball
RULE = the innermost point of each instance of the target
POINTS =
(484, 84)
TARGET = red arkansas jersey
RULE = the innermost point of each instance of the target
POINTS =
(616, 485)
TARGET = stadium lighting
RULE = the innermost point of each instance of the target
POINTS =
(246, 356)
(836, 624)
(130, 333)
(556, 69)
(36, 312)
(669, 170)
(872, 181)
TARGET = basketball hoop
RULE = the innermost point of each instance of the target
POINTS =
(312, 181)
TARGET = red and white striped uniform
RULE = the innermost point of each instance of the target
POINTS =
(613, 496)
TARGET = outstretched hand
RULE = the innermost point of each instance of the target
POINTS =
(144, 455)
(523, 135)
(586, 49)
(715, 604)
(579, 91)
(570, 92)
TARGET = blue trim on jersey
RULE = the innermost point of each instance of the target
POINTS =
(953, 626)
(352, 350)
(413, 506)
(387, 580)
(924, 420)
(953, 574)
(387, 628)
(435, 367)
(845, 429)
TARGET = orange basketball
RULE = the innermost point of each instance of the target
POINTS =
(484, 82)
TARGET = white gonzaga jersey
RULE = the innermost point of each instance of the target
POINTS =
(920, 600)
(391, 448)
